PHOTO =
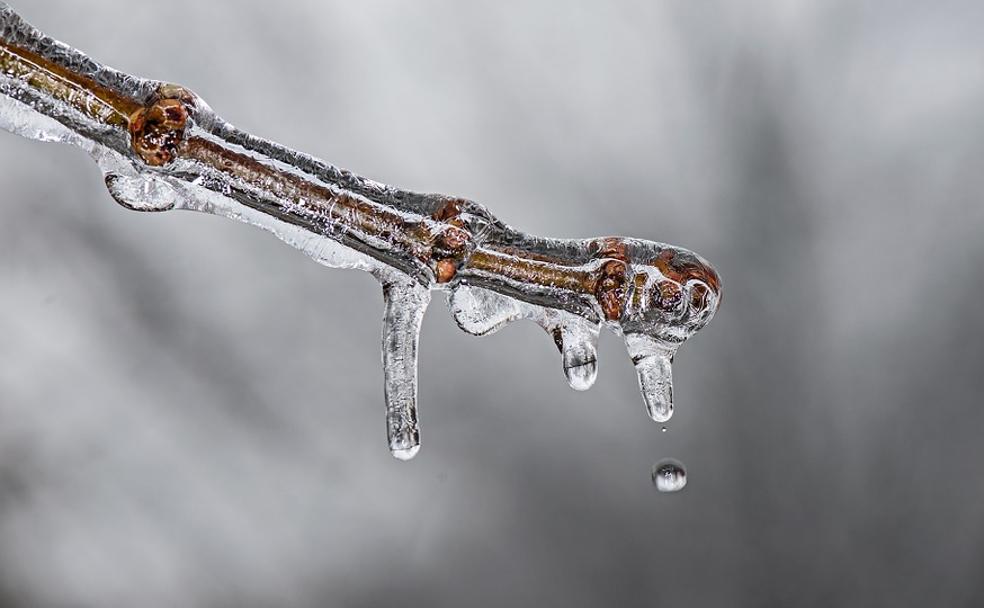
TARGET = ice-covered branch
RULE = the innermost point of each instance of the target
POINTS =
(161, 147)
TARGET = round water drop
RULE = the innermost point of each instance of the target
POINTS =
(663, 429)
(669, 475)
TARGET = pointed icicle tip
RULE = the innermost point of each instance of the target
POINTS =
(405, 454)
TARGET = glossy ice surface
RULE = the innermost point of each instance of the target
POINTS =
(161, 147)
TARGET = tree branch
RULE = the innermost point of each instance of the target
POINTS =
(161, 147)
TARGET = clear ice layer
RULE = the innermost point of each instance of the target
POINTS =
(160, 148)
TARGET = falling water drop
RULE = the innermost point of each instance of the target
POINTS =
(663, 429)
(669, 475)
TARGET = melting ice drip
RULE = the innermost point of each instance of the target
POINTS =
(161, 147)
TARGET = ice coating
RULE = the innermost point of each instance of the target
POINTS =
(161, 147)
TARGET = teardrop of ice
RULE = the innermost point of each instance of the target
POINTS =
(669, 475)
(143, 193)
(581, 376)
(580, 352)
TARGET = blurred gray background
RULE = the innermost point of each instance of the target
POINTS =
(191, 412)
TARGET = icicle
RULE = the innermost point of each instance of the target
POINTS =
(578, 344)
(141, 193)
(161, 147)
(406, 302)
(653, 361)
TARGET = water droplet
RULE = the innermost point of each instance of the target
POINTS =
(663, 429)
(652, 294)
(669, 475)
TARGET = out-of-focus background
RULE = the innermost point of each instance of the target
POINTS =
(191, 412)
